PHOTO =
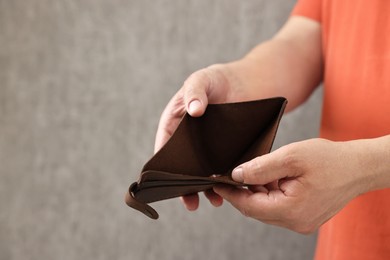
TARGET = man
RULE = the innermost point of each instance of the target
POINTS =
(340, 182)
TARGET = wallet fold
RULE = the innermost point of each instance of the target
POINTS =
(203, 151)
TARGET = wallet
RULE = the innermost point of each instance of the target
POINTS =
(203, 151)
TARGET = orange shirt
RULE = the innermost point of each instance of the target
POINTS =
(356, 50)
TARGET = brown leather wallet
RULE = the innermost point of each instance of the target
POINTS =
(204, 150)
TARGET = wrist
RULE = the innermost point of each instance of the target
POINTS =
(373, 162)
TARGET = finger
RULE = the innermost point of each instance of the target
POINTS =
(191, 202)
(263, 206)
(273, 185)
(169, 120)
(265, 169)
(214, 198)
(195, 92)
(258, 188)
(237, 196)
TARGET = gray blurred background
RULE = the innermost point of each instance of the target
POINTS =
(82, 86)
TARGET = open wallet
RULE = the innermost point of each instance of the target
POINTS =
(203, 151)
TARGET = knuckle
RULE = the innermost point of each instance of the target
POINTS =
(195, 87)
(291, 159)
(197, 78)
(250, 171)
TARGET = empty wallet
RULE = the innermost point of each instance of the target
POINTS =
(204, 150)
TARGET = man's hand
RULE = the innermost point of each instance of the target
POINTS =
(301, 185)
(205, 86)
(209, 85)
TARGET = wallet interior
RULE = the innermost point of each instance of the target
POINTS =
(203, 151)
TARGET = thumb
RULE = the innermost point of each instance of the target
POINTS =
(196, 108)
(196, 89)
(263, 170)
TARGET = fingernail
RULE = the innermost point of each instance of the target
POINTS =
(194, 106)
(237, 174)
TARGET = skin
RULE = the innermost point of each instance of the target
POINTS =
(301, 185)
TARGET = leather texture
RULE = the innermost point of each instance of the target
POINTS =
(203, 151)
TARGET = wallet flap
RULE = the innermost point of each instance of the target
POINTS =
(216, 142)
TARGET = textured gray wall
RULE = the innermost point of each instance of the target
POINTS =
(82, 86)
